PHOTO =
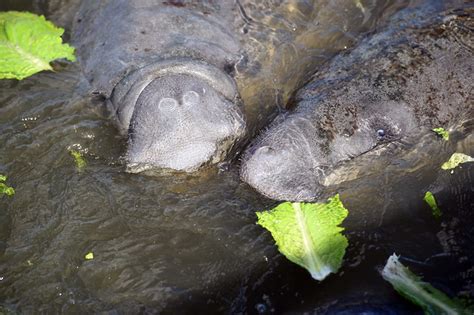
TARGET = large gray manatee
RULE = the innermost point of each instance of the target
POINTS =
(171, 71)
(159, 65)
(388, 93)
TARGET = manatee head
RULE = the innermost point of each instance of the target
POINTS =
(178, 115)
(292, 159)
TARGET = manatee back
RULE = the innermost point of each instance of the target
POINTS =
(116, 37)
(427, 65)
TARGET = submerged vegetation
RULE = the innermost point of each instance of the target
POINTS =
(431, 201)
(4, 188)
(455, 160)
(423, 294)
(442, 133)
(78, 159)
(28, 43)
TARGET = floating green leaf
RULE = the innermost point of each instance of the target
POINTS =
(4, 188)
(410, 286)
(455, 160)
(309, 234)
(78, 159)
(442, 133)
(89, 256)
(28, 43)
(431, 201)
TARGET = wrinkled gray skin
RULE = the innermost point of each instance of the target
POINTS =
(394, 88)
(165, 67)
(161, 68)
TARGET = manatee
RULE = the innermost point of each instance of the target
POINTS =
(367, 106)
(161, 67)
(171, 72)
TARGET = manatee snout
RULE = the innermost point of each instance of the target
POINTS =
(281, 165)
(277, 174)
(179, 116)
(181, 123)
(296, 159)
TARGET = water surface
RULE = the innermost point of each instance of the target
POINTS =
(175, 243)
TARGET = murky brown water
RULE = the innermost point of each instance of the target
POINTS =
(189, 243)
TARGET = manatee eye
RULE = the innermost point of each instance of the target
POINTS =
(381, 133)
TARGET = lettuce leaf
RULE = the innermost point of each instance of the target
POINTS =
(78, 159)
(455, 160)
(410, 286)
(4, 188)
(309, 234)
(431, 201)
(443, 133)
(89, 256)
(28, 43)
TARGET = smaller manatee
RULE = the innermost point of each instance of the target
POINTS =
(394, 88)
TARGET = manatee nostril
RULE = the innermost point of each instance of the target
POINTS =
(167, 104)
(191, 98)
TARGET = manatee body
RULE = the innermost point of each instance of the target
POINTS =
(161, 66)
(172, 71)
(392, 89)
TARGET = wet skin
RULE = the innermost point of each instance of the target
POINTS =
(394, 88)
(161, 68)
(137, 54)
